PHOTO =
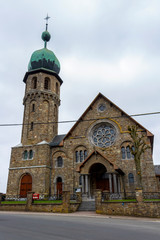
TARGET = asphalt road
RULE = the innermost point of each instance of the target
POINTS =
(22, 226)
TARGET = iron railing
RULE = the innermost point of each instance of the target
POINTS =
(118, 196)
(151, 195)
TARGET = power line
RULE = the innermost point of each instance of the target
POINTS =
(81, 120)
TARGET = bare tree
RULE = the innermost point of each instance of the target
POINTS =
(139, 147)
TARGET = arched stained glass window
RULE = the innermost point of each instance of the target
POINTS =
(77, 156)
(85, 154)
(123, 151)
(128, 152)
(133, 151)
(81, 156)
(131, 178)
(59, 161)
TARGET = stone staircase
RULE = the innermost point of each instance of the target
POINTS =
(87, 205)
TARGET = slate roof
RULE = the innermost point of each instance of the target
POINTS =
(57, 140)
(157, 170)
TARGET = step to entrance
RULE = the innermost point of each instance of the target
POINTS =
(87, 206)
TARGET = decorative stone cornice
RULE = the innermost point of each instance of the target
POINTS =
(46, 95)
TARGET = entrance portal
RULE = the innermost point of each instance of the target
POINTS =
(59, 186)
(26, 185)
(99, 178)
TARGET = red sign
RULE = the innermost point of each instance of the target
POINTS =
(35, 196)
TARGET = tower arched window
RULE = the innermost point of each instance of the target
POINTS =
(59, 161)
(46, 83)
(30, 154)
(56, 88)
(33, 107)
(25, 155)
(130, 178)
(31, 126)
(34, 82)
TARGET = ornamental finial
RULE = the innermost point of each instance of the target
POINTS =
(46, 18)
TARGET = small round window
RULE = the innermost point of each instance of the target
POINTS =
(103, 135)
(102, 107)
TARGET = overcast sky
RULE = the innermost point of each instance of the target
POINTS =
(107, 46)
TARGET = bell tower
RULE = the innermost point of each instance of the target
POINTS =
(42, 95)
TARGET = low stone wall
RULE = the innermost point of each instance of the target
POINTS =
(12, 207)
(145, 209)
(139, 208)
(65, 207)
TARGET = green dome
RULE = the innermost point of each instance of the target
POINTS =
(44, 58)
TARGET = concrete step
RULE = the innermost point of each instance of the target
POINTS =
(87, 206)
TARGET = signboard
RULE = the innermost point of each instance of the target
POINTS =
(36, 196)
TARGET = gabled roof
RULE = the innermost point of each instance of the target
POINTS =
(116, 168)
(57, 140)
(149, 134)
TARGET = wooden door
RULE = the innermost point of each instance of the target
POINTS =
(102, 184)
(26, 185)
(59, 188)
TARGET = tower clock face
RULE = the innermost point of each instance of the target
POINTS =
(103, 135)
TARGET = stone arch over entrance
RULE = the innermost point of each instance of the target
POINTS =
(99, 179)
(25, 185)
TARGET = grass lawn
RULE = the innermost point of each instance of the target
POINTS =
(47, 201)
(121, 200)
(13, 202)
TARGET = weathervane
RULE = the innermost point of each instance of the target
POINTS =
(46, 18)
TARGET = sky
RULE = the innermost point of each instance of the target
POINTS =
(112, 47)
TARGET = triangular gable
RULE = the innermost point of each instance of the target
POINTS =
(116, 168)
(149, 134)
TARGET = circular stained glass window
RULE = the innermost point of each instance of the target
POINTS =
(103, 135)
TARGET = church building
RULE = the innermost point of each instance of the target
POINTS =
(94, 154)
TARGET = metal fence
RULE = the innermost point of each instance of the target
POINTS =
(13, 198)
(151, 195)
(118, 196)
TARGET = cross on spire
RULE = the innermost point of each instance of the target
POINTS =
(46, 18)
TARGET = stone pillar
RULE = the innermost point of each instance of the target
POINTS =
(86, 183)
(29, 201)
(98, 200)
(110, 182)
(55, 188)
(79, 197)
(66, 201)
(89, 187)
(139, 195)
(82, 183)
(115, 182)
(119, 185)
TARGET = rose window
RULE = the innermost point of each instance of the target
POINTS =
(103, 135)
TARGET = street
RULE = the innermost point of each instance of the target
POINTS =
(38, 226)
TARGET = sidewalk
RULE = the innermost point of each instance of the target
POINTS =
(89, 214)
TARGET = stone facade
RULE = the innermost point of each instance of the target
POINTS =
(95, 153)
